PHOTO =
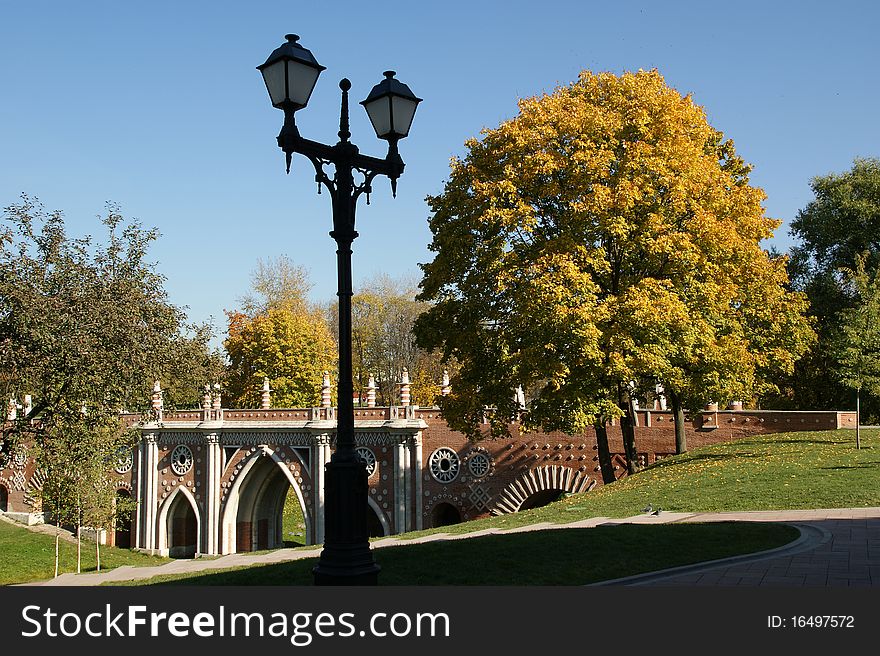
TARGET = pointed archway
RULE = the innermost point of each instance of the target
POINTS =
(179, 525)
(253, 516)
(377, 523)
(122, 532)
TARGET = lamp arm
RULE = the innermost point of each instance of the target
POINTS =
(321, 154)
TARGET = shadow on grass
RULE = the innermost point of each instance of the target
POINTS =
(549, 557)
(820, 442)
(863, 465)
(703, 457)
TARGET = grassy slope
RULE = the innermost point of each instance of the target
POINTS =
(29, 556)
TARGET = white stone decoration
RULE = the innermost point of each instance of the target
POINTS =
(124, 460)
(367, 457)
(480, 497)
(181, 459)
(479, 463)
(444, 464)
(20, 457)
(18, 480)
(552, 477)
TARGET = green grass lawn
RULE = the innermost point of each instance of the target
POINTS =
(28, 556)
(293, 525)
(548, 557)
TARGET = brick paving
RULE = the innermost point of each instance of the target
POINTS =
(837, 548)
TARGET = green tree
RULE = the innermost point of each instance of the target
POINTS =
(856, 342)
(193, 363)
(603, 240)
(77, 490)
(841, 223)
(85, 329)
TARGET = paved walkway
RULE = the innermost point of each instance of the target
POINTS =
(838, 548)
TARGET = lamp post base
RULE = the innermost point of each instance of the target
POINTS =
(339, 567)
(346, 558)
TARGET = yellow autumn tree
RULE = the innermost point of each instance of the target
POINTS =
(291, 349)
(604, 240)
(279, 336)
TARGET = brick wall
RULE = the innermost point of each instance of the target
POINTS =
(513, 458)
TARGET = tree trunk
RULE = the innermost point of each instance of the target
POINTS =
(628, 430)
(57, 538)
(78, 540)
(858, 420)
(605, 463)
(678, 418)
(97, 550)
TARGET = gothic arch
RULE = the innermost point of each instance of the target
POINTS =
(162, 526)
(122, 529)
(540, 480)
(445, 513)
(230, 511)
(380, 515)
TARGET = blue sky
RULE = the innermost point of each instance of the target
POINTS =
(159, 107)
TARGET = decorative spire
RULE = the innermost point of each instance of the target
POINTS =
(519, 398)
(371, 392)
(206, 398)
(404, 388)
(156, 401)
(445, 388)
(325, 390)
(344, 133)
(217, 401)
(266, 395)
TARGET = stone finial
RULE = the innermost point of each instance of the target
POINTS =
(217, 400)
(445, 388)
(519, 398)
(404, 388)
(206, 398)
(659, 397)
(156, 401)
(28, 404)
(371, 392)
(735, 405)
(325, 390)
(266, 395)
(11, 410)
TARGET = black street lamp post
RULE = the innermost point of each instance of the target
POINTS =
(290, 74)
